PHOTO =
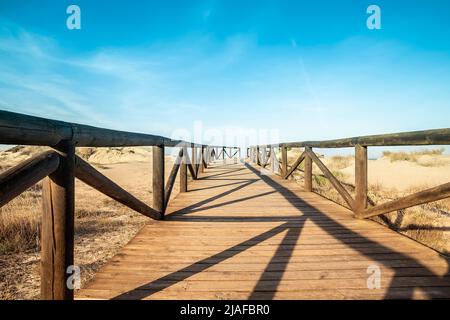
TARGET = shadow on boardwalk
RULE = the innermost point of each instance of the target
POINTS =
(269, 280)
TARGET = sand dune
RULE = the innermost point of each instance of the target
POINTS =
(403, 175)
(17, 154)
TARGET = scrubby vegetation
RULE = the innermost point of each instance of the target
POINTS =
(415, 156)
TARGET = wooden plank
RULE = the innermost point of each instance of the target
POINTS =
(57, 233)
(19, 178)
(260, 236)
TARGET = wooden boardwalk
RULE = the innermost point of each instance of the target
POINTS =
(240, 234)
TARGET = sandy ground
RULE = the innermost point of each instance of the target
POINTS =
(403, 175)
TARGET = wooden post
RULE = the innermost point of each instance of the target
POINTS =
(194, 160)
(158, 179)
(272, 158)
(183, 172)
(57, 238)
(223, 155)
(202, 160)
(360, 178)
(258, 161)
(308, 172)
(284, 164)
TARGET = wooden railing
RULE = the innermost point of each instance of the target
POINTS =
(60, 167)
(262, 155)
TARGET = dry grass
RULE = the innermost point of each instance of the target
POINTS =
(101, 228)
(341, 162)
(415, 156)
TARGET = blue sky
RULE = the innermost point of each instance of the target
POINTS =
(300, 70)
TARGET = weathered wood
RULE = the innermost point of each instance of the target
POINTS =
(360, 178)
(308, 174)
(19, 178)
(16, 128)
(272, 159)
(183, 172)
(172, 177)
(295, 165)
(334, 181)
(413, 138)
(284, 161)
(428, 195)
(193, 164)
(92, 177)
(198, 158)
(158, 180)
(202, 160)
(57, 232)
(258, 156)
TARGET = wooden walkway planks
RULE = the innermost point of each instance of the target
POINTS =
(240, 234)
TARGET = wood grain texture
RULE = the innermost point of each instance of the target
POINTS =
(158, 180)
(238, 234)
(57, 232)
(361, 179)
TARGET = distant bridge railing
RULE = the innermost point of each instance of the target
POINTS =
(61, 166)
(264, 154)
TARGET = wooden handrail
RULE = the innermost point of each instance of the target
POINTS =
(17, 128)
(62, 166)
(412, 138)
(359, 204)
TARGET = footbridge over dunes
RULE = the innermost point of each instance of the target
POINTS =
(238, 229)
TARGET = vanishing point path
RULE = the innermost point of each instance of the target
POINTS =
(239, 234)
